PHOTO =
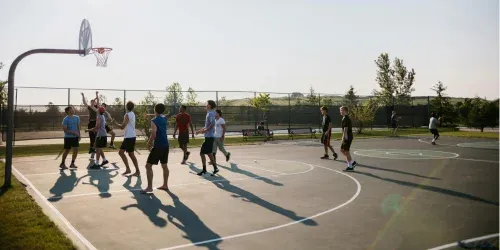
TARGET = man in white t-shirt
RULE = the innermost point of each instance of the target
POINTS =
(128, 144)
(220, 131)
(433, 122)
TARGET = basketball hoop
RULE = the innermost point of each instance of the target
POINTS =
(101, 54)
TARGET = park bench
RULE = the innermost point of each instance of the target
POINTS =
(256, 133)
(301, 131)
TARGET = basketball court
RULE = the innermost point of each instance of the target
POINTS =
(404, 194)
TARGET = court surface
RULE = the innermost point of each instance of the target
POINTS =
(404, 194)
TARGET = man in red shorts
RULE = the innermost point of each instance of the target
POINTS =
(182, 120)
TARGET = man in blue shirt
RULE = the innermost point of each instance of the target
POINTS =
(71, 127)
(158, 147)
(209, 131)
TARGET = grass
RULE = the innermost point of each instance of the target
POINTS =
(57, 148)
(23, 225)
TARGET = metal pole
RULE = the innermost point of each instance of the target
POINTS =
(125, 101)
(289, 111)
(217, 98)
(10, 103)
(69, 96)
(255, 112)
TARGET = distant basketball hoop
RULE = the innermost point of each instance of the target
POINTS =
(84, 48)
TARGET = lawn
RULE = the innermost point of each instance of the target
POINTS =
(23, 225)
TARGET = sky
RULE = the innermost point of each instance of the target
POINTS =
(260, 45)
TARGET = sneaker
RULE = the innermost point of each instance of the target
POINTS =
(183, 162)
(202, 172)
(354, 163)
(349, 169)
(335, 156)
(187, 155)
(433, 143)
(112, 146)
(104, 163)
(228, 156)
(325, 157)
(73, 165)
(95, 166)
(63, 166)
(216, 170)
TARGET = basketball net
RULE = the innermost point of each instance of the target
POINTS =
(101, 54)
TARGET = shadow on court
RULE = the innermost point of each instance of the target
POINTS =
(234, 168)
(393, 171)
(430, 188)
(64, 184)
(247, 196)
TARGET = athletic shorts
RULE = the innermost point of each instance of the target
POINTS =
(91, 125)
(158, 155)
(101, 141)
(434, 131)
(71, 142)
(183, 138)
(128, 145)
(207, 146)
(394, 125)
(346, 145)
(108, 128)
(325, 139)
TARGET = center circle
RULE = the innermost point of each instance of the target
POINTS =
(405, 154)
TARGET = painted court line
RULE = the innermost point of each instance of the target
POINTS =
(438, 144)
(470, 159)
(182, 184)
(77, 171)
(57, 213)
(358, 191)
(455, 244)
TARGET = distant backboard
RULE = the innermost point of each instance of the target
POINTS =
(85, 39)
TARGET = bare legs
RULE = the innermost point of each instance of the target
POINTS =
(125, 161)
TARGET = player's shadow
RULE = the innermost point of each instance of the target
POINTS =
(101, 179)
(188, 221)
(64, 184)
(247, 196)
(431, 188)
(150, 206)
(234, 168)
(394, 171)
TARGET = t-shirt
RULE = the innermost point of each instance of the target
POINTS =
(393, 119)
(161, 140)
(326, 123)
(433, 123)
(183, 120)
(71, 122)
(218, 127)
(209, 120)
(346, 123)
(92, 114)
(101, 130)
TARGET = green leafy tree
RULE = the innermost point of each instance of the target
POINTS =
(191, 98)
(261, 103)
(3, 89)
(312, 98)
(145, 107)
(363, 115)
(385, 80)
(403, 82)
(350, 98)
(174, 95)
(224, 102)
(326, 101)
(483, 113)
(442, 106)
(297, 95)
(52, 109)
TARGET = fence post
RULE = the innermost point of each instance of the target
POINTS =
(69, 96)
(16, 119)
(124, 100)
(289, 111)
(255, 112)
(217, 98)
(319, 105)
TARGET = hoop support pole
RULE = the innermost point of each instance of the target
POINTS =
(10, 104)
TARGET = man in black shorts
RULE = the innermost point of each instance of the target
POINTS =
(129, 138)
(71, 127)
(109, 129)
(183, 123)
(347, 137)
(92, 108)
(327, 134)
(433, 123)
(394, 123)
(208, 144)
(159, 150)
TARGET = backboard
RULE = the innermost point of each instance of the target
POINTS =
(85, 39)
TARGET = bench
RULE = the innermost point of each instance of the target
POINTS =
(266, 133)
(301, 131)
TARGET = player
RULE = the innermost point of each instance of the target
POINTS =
(101, 139)
(208, 144)
(433, 122)
(182, 120)
(109, 129)
(220, 132)
(327, 133)
(347, 138)
(394, 123)
(159, 150)
(128, 144)
(71, 127)
(92, 108)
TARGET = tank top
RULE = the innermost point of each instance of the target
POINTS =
(92, 114)
(161, 140)
(130, 128)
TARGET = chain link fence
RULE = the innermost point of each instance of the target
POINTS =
(34, 121)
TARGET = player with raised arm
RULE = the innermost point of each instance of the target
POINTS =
(92, 108)
(182, 120)
(128, 144)
(71, 127)
(101, 140)
(347, 138)
(158, 147)
(208, 144)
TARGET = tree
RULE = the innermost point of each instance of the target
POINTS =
(312, 98)
(385, 80)
(145, 107)
(483, 113)
(224, 102)
(403, 81)
(325, 101)
(52, 109)
(363, 115)
(174, 95)
(350, 98)
(296, 95)
(261, 103)
(442, 106)
(191, 98)
(3, 90)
